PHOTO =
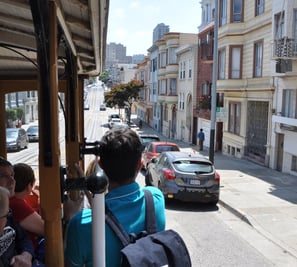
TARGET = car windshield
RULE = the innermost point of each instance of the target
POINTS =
(32, 130)
(162, 148)
(11, 134)
(146, 140)
(193, 166)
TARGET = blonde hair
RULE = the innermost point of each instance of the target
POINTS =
(92, 167)
(4, 200)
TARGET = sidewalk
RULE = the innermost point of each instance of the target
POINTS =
(264, 198)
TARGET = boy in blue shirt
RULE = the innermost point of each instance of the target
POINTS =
(120, 158)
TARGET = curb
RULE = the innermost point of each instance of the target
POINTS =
(239, 214)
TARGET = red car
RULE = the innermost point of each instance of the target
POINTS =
(153, 149)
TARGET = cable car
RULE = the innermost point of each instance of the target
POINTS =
(51, 46)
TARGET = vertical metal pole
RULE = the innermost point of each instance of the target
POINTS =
(214, 86)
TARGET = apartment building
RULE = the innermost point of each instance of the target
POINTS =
(168, 73)
(186, 91)
(244, 77)
(283, 146)
(144, 105)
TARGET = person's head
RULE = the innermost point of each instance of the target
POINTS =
(92, 167)
(120, 155)
(7, 175)
(4, 207)
(201, 130)
(24, 177)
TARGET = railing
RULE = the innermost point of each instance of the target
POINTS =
(284, 48)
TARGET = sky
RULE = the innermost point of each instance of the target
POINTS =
(131, 22)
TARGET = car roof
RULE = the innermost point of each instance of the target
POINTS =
(149, 135)
(180, 155)
(163, 143)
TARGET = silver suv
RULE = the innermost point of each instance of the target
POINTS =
(16, 139)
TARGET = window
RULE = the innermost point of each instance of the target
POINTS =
(279, 21)
(205, 88)
(153, 65)
(235, 62)
(236, 13)
(295, 30)
(172, 87)
(294, 164)
(234, 118)
(165, 113)
(171, 55)
(163, 87)
(258, 59)
(162, 57)
(223, 12)
(220, 99)
(289, 103)
(180, 71)
(181, 101)
(259, 7)
(221, 64)
(190, 68)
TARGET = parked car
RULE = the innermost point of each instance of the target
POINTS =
(113, 116)
(86, 105)
(120, 125)
(147, 138)
(32, 133)
(102, 107)
(16, 139)
(114, 121)
(184, 176)
(153, 149)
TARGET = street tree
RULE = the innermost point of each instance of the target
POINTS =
(123, 95)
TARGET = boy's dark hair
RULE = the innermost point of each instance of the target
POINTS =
(23, 175)
(120, 152)
(4, 162)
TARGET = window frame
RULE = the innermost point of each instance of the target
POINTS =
(231, 70)
(232, 13)
(257, 60)
(223, 13)
(234, 117)
(221, 64)
(259, 7)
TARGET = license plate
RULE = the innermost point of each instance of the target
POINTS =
(195, 182)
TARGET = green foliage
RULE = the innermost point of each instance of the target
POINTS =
(10, 116)
(104, 76)
(122, 95)
(19, 113)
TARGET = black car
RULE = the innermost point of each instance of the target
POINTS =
(148, 138)
(184, 176)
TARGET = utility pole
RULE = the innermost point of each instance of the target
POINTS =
(214, 86)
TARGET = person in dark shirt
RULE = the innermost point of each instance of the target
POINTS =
(201, 138)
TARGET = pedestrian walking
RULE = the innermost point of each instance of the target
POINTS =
(201, 138)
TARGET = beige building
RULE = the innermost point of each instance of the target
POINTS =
(244, 77)
(186, 90)
(168, 73)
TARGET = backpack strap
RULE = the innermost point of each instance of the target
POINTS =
(150, 218)
(150, 215)
(114, 224)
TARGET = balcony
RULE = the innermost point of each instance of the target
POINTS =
(284, 48)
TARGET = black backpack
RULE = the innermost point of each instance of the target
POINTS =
(150, 248)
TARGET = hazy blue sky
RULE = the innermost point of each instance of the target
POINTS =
(131, 22)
